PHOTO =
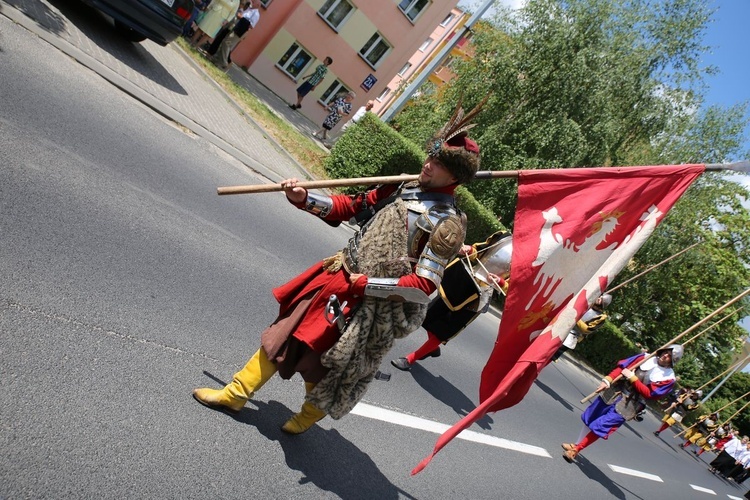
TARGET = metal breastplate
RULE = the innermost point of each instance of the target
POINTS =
(632, 402)
(423, 211)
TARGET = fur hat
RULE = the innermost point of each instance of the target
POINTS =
(452, 146)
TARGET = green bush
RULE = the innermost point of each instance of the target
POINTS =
(605, 347)
(372, 148)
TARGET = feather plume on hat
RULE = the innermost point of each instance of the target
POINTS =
(452, 146)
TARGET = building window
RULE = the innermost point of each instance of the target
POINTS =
(425, 44)
(294, 61)
(404, 69)
(383, 94)
(375, 50)
(447, 20)
(331, 92)
(335, 12)
(412, 8)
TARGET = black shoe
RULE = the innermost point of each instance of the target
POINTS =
(293, 106)
(656, 433)
(433, 354)
(401, 364)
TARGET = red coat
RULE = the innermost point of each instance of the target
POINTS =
(313, 329)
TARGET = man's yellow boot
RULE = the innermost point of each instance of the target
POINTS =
(245, 382)
(306, 417)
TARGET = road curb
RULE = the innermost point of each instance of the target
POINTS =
(239, 108)
(21, 19)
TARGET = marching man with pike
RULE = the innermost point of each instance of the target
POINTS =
(622, 400)
(337, 320)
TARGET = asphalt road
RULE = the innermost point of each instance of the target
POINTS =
(125, 282)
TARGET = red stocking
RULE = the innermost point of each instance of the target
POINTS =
(586, 441)
(432, 343)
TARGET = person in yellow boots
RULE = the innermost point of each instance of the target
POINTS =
(338, 319)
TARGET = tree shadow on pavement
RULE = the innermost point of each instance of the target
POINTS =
(99, 34)
(444, 391)
(321, 455)
(40, 13)
(592, 472)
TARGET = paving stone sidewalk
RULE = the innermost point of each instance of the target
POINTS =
(168, 76)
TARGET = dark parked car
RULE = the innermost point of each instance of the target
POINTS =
(159, 20)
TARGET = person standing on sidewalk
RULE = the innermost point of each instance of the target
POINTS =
(468, 286)
(341, 105)
(218, 13)
(311, 81)
(247, 20)
(357, 116)
(333, 328)
(621, 401)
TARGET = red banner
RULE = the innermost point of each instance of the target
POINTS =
(574, 230)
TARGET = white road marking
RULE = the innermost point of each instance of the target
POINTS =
(734, 498)
(369, 411)
(701, 488)
(636, 473)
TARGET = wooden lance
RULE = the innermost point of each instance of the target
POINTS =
(647, 270)
(716, 411)
(712, 326)
(742, 166)
(733, 366)
(674, 340)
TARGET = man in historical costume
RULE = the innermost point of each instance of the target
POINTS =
(622, 401)
(334, 326)
(590, 321)
(468, 285)
(686, 402)
(701, 432)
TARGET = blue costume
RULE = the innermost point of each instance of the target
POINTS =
(610, 410)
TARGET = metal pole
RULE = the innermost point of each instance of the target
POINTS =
(713, 391)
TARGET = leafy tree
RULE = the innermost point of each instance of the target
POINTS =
(577, 83)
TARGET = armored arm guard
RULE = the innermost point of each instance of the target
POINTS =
(318, 205)
(446, 238)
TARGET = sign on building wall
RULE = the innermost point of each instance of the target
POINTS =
(369, 82)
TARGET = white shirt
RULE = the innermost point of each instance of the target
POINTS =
(252, 15)
(733, 445)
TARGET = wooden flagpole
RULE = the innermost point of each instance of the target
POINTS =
(649, 269)
(675, 339)
(742, 166)
(734, 414)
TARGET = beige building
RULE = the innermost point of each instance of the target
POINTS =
(369, 41)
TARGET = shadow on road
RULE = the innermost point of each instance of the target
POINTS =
(548, 390)
(319, 454)
(444, 391)
(97, 33)
(592, 472)
(41, 14)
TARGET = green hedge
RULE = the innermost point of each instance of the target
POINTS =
(605, 347)
(372, 148)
